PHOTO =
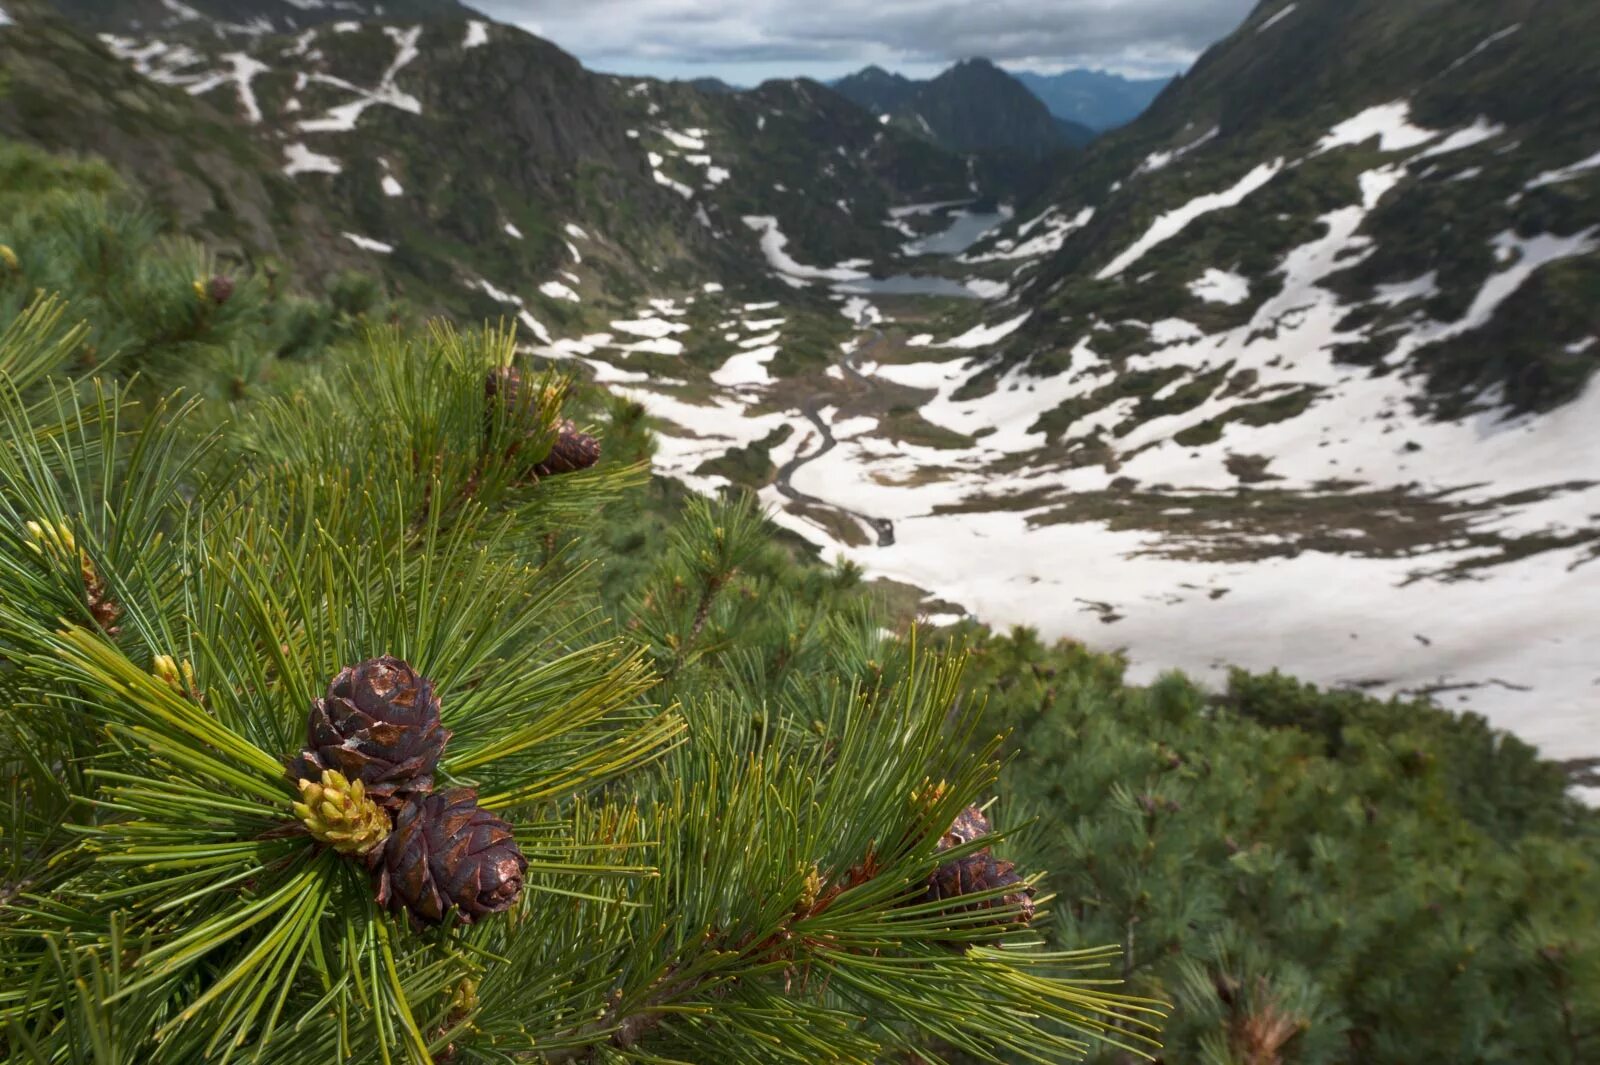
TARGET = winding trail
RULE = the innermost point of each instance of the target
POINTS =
(812, 409)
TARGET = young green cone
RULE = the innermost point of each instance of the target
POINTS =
(338, 812)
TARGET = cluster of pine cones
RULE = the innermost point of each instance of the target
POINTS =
(366, 787)
(569, 452)
(978, 872)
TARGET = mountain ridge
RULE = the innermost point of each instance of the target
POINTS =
(971, 107)
(1095, 99)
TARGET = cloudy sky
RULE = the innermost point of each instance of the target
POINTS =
(745, 41)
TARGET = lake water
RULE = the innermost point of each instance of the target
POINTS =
(906, 285)
(964, 230)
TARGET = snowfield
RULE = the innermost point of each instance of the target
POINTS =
(1007, 530)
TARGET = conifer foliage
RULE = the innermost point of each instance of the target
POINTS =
(320, 747)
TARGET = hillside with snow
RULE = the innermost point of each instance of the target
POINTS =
(1295, 371)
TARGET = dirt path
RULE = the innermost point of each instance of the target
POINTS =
(812, 409)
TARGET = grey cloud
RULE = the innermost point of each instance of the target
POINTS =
(906, 31)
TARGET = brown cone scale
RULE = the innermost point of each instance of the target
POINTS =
(571, 452)
(978, 871)
(445, 853)
(379, 724)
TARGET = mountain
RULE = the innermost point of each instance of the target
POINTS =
(1293, 370)
(973, 107)
(1463, 163)
(878, 90)
(456, 158)
(244, 18)
(713, 85)
(1093, 99)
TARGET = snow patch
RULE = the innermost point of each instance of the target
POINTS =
(557, 291)
(1221, 286)
(477, 34)
(368, 244)
(1566, 173)
(773, 243)
(650, 327)
(1390, 123)
(298, 159)
(1275, 19)
(1172, 223)
(748, 368)
(1160, 160)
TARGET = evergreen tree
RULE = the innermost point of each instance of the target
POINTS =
(320, 745)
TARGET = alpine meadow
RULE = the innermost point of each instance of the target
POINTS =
(1076, 541)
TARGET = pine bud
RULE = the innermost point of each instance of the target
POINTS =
(9, 257)
(337, 811)
(810, 891)
(56, 539)
(165, 669)
(179, 676)
(56, 543)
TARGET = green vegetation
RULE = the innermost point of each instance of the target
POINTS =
(692, 805)
(728, 784)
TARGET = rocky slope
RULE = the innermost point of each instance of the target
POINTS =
(457, 158)
(243, 18)
(1292, 371)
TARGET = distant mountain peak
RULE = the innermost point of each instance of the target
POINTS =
(1094, 98)
(972, 106)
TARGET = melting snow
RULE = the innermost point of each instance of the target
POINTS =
(1483, 46)
(650, 327)
(477, 34)
(1275, 19)
(1172, 223)
(1159, 160)
(5, 19)
(1390, 123)
(368, 244)
(1056, 230)
(512, 231)
(343, 118)
(557, 291)
(241, 71)
(1566, 173)
(773, 243)
(687, 141)
(392, 187)
(298, 159)
(1475, 134)
(1221, 286)
(747, 368)
(982, 336)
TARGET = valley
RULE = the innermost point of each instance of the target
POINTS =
(1268, 379)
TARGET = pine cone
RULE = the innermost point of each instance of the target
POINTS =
(219, 289)
(571, 449)
(378, 724)
(509, 386)
(571, 452)
(337, 812)
(978, 871)
(446, 851)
